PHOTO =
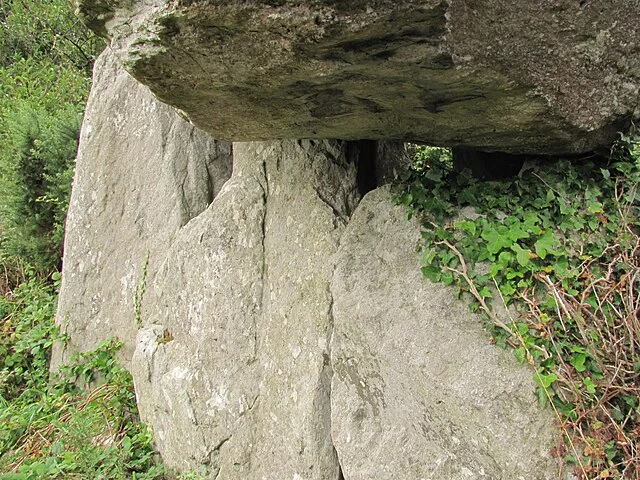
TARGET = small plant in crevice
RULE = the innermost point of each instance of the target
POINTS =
(559, 244)
(138, 295)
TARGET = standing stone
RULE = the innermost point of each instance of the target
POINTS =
(285, 331)
(232, 367)
(142, 173)
(418, 391)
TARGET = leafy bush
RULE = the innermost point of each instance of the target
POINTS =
(46, 56)
(62, 431)
(27, 333)
(561, 243)
(45, 29)
(36, 183)
(49, 426)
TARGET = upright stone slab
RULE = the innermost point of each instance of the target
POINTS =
(232, 366)
(285, 330)
(142, 173)
(418, 391)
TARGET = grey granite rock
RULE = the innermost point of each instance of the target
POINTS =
(418, 391)
(142, 173)
(556, 76)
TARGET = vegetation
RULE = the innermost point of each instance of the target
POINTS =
(46, 56)
(559, 246)
(50, 427)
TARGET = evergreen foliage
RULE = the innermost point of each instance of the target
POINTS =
(35, 187)
(46, 56)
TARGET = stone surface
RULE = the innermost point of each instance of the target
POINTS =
(142, 173)
(304, 343)
(285, 331)
(418, 392)
(506, 75)
(232, 366)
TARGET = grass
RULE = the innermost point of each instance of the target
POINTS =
(49, 426)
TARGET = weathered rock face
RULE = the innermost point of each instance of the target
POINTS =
(285, 330)
(536, 77)
(302, 347)
(244, 383)
(417, 390)
(142, 173)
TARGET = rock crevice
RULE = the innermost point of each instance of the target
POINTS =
(115, 220)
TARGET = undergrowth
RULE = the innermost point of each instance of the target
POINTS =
(558, 246)
(50, 427)
(83, 422)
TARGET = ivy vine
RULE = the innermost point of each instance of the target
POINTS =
(558, 246)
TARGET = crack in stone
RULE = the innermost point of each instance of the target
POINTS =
(331, 332)
(264, 185)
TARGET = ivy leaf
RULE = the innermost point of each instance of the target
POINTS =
(507, 289)
(578, 362)
(589, 385)
(447, 278)
(467, 226)
(520, 354)
(545, 380)
(497, 240)
(432, 273)
(550, 195)
(595, 207)
(523, 255)
(428, 256)
(544, 245)
(517, 231)
(541, 393)
(531, 222)
(485, 293)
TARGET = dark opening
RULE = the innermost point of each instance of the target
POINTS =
(367, 151)
(488, 165)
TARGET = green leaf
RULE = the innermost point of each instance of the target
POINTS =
(531, 221)
(485, 292)
(432, 273)
(595, 207)
(589, 385)
(497, 239)
(428, 256)
(545, 380)
(523, 255)
(578, 362)
(541, 393)
(566, 408)
(545, 244)
(507, 289)
(610, 450)
(447, 278)
(521, 354)
(467, 226)
(517, 231)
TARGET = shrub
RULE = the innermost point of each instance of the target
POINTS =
(37, 169)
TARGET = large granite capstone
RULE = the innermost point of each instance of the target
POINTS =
(499, 75)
